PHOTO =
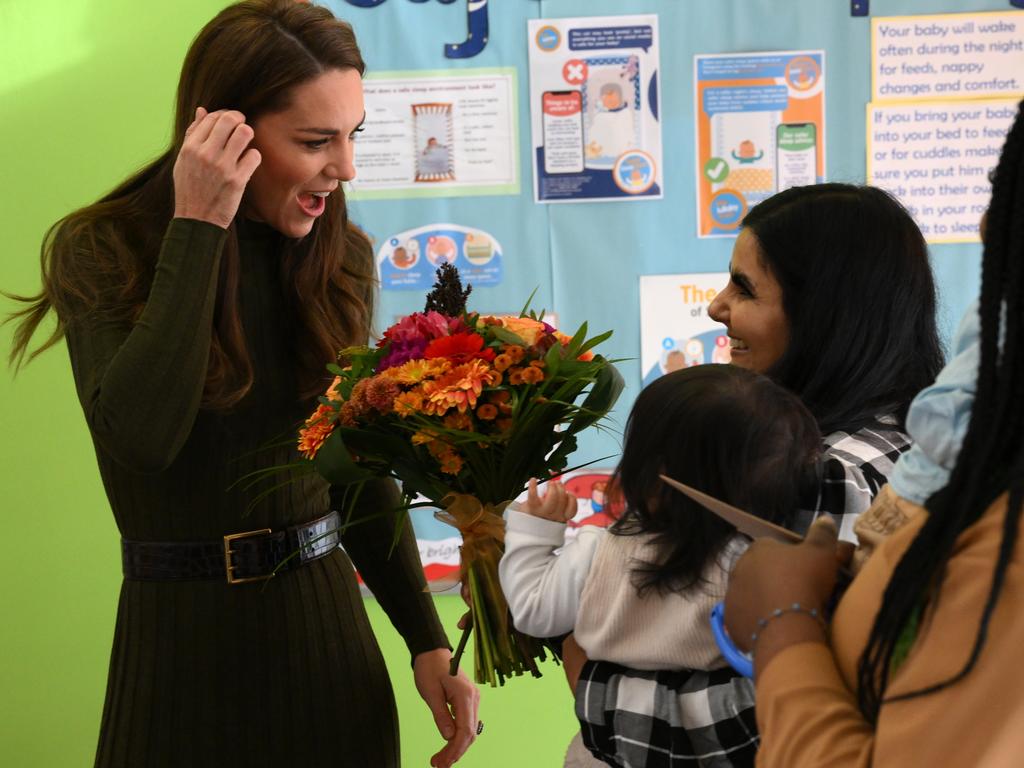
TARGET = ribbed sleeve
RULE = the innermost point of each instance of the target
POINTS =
(140, 385)
(395, 576)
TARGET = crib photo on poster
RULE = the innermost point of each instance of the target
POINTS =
(433, 134)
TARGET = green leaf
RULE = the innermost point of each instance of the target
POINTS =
(529, 300)
(591, 343)
(504, 334)
(608, 385)
(335, 464)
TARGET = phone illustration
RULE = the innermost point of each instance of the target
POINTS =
(796, 155)
(562, 113)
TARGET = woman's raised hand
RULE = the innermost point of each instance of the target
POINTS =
(213, 167)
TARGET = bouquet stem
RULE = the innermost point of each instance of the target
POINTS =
(501, 651)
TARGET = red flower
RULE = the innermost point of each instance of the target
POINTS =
(459, 348)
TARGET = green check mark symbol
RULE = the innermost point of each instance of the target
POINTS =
(716, 170)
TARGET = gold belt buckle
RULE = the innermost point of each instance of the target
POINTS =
(229, 566)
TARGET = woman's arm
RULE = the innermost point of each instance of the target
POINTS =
(140, 385)
(392, 571)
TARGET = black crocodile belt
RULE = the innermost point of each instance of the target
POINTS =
(238, 557)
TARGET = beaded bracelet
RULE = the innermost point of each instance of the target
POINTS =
(794, 608)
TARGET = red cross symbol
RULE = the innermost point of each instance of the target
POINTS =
(575, 71)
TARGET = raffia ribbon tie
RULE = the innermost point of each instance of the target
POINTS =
(481, 525)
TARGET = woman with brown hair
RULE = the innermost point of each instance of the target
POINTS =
(200, 301)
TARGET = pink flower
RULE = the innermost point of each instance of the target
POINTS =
(407, 338)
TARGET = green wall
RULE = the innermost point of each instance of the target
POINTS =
(86, 92)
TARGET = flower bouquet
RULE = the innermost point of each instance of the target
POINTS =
(463, 410)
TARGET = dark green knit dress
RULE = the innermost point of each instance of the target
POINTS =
(203, 673)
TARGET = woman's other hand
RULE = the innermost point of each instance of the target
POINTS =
(557, 504)
(453, 701)
(213, 167)
(772, 575)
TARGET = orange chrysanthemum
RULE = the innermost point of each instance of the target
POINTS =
(459, 420)
(332, 393)
(515, 352)
(487, 412)
(460, 388)
(409, 403)
(447, 457)
(318, 427)
(417, 371)
(529, 375)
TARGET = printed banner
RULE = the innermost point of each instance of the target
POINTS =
(675, 328)
(935, 158)
(409, 260)
(760, 129)
(594, 109)
(439, 543)
(438, 134)
(947, 56)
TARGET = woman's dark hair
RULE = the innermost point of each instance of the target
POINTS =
(991, 460)
(859, 296)
(100, 259)
(727, 431)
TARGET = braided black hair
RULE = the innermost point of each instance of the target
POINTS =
(991, 460)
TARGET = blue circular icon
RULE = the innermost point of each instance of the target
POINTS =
(393, 241)
(668, 342)
(548, 38)
(727, 208)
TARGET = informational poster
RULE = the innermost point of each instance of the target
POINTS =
(409, 260)
(760, 129)
(594, 109)
(946, 89)
(675, 328)
(944, 56)
(438, 134)
(935, 158)
(439, 542)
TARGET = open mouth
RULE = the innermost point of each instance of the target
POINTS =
(313, 203)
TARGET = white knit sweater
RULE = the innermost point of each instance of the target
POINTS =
(587, 589)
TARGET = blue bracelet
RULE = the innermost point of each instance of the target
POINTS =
(738, 660)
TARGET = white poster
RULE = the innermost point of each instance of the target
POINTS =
(675, 328)
(438, 134)
(594, 109)
(953, 55)
(935, 158)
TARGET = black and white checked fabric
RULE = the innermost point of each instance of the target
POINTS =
(855, 466)
(667, 719)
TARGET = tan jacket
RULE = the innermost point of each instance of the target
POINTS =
(806, 707)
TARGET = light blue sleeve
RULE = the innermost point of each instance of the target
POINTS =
(938, 418)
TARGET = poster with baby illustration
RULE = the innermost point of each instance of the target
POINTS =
(594, 109)
(434, 140)
(676, 330)
(760, 129)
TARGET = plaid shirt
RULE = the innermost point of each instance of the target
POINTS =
(666, 719)
(855, 466)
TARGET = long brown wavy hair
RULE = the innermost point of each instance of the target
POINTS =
(100, 260)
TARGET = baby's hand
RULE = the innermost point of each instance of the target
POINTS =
(557, 505)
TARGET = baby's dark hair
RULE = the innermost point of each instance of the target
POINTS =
(727, 431)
